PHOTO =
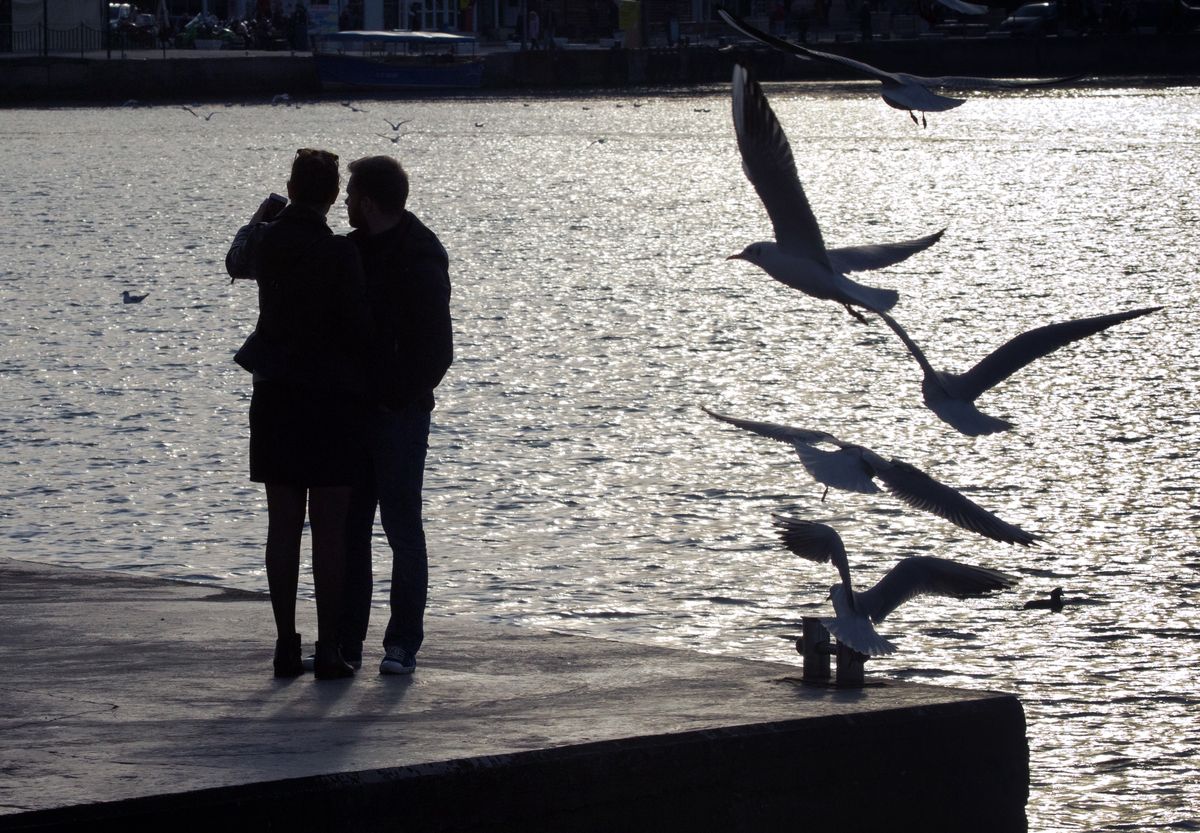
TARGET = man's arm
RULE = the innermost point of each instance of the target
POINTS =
(433, 323)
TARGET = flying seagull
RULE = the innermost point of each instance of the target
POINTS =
(900, 89)
(797, 256)
(129, 298)
(197, 115)
(395, 125)
(854, 468)
(951, 396)
(856, 612)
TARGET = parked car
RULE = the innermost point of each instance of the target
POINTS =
(1032, 19)
(118, 15)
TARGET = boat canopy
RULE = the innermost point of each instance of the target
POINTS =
(396, 36)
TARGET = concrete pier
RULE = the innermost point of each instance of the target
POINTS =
(138, 704)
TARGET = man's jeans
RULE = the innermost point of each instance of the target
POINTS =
(398, 440)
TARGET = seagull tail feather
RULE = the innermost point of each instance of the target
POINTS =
(858, 633)
(873, 298)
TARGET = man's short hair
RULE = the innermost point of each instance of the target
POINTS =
(315, 178)
(383, 180)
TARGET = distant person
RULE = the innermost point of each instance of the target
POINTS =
(777, 19)
(534, 30)
(300, 28)
(803, 16)
(309, 355)
(408, 284)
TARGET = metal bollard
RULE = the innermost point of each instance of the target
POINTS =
(850, 667)
(814, 646)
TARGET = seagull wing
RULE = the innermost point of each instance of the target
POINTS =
(803, 51)
(815, 542)
(920, 491)
(768, 163)
(863, 258)
(913, 348)
(972, 82)
(1028, 347)
(921, 575)
(783, 433)
(841, 469)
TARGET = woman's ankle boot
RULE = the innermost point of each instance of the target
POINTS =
(287, 656)
(328, 663)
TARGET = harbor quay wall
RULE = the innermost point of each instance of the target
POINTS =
(164, 716)
(940, 767)
(154, 75)
(101, 80)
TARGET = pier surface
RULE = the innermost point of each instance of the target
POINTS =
(150, 704)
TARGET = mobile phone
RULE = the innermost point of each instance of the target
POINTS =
(275, 204)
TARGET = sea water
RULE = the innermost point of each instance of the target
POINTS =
(574, 483)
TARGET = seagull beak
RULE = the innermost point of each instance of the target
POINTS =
(738, 256)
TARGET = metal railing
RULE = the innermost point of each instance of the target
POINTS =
(37, 39)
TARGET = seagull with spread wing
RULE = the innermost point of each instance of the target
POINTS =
(900, 89)
(854, 468)
(857, 612)
(797, 256)
(951, 396)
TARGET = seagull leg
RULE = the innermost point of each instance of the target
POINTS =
(913, 116)
(824, 494)
(861, 318)
(923, 122)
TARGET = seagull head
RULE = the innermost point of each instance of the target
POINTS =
(750, 254)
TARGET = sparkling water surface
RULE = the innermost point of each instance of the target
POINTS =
(574, 482)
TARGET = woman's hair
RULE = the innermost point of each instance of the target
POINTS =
(383, 180)
(315, 178)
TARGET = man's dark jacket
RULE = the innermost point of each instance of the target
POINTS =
(408, 285)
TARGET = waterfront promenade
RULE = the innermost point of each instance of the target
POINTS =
(150, 704)
(153, 75)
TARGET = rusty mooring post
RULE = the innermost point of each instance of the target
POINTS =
(850, 666)
(814, 645)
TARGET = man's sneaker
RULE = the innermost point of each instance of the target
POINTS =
(396, 660)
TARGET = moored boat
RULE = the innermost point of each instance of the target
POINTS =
(398, 59)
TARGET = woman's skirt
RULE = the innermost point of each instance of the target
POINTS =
(304, 437)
